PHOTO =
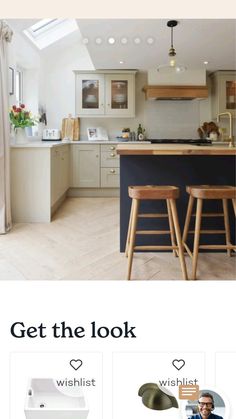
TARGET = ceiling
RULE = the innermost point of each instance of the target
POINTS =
(195, 40)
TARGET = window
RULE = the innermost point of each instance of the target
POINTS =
(42, 26)
(19, 86)
(47, 31)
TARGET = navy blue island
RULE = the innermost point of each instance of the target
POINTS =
(178, 165)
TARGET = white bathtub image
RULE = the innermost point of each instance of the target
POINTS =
(45, 400)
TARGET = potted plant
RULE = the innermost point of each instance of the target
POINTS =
(21, 118)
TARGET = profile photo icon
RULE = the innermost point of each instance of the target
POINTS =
(209, 405)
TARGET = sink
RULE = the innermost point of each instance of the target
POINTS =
(45, 400)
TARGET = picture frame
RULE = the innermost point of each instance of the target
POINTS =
(97, 134)
(92, 134)
(11, 80)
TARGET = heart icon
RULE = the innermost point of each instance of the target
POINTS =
(76, 363)
(178, 364)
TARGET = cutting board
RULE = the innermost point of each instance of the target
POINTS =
(70, 129)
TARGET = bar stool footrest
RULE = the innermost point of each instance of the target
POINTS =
(155, 247)
(146, 232)
(208, 232)
(152, 215)
(217, 246)
(210, 214)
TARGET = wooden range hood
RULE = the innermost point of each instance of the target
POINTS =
(162, 92)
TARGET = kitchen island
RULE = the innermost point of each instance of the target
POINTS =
(179, 165)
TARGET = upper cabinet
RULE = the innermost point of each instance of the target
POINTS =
(223, 92)
(110, 94)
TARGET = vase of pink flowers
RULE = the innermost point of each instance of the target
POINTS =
(20, 118)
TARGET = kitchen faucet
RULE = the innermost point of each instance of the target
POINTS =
(231, 142)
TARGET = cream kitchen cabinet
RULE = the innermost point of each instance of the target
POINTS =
(110, 171)
(59, 172)
(39, 181)
(223, 92)
(85, 166)
(94, 170)
(105, 93)
(120, 95)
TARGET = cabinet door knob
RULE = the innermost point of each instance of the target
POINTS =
(112, 171)
(112, 148)
(112, 155)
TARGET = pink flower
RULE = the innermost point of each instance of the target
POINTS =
(14, 107)
(22, 106)
(18, 110)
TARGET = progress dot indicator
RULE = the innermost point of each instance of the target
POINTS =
(137, 41)
(98, 41)
(111, 40)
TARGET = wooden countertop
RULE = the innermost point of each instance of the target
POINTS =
(175, 149)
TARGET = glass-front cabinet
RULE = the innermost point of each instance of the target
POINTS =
(105, 94)
(120, 92)
(230, 90)
(223, 92)
(90, 94)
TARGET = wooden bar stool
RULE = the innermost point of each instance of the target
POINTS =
(169, 194)
(201, 192)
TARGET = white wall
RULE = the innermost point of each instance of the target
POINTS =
(161, 119)
(57, 86)
(23, 55)
(50, 81)
(31, 89)
(114, 126)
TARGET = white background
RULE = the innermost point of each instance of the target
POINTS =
(173, 317)
(124, 9)
(131, 371)
(199, 317)
(24, 366)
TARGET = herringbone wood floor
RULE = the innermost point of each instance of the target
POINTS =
(82, 243)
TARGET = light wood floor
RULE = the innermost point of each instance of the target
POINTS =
(82, 243)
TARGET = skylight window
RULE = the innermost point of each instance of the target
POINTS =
(47, 31)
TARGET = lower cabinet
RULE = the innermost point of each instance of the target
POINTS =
(94, 166)
(110, 178)
(59, 172)
(39, 181)
(65, 166)
(85, 166)
(110, 172)
(42, 176)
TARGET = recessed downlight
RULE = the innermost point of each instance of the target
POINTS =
(111, 40)
(121, 62)
(205, 62)
(85, 41)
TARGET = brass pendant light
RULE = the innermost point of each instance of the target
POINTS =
(173, 66)
(157, 398)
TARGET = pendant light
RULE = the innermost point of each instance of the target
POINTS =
(173, 66)
(157, 397)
